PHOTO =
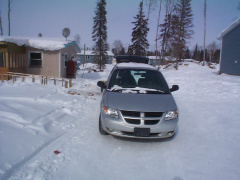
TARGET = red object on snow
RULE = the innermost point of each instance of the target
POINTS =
(56, 152)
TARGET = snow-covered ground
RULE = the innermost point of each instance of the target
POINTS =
(37, 120)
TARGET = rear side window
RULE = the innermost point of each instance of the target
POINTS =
(132, 78)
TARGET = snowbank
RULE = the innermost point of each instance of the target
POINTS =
(37, 120)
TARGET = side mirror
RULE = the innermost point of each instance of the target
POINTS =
(101, 84)
(174, 88)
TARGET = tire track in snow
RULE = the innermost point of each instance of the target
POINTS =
(43, 162)
(38, 154)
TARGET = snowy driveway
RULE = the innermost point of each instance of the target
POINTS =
(205, 147)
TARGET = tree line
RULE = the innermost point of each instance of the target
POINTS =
(174, 32)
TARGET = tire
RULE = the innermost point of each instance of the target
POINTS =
(101, 130)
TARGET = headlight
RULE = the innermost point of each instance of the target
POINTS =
(171, 115)
(110, 111)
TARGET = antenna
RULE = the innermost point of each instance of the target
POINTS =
(66, 32)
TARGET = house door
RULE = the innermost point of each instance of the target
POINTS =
(1, 59)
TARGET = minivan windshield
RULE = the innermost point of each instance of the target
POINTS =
(140, 81)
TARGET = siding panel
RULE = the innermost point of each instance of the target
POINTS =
(230, 62)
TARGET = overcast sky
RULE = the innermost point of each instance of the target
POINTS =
(50, 17)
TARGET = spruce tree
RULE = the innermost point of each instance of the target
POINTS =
(181, 28)
(99, 34)
(139, 35)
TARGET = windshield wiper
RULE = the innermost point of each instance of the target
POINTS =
(156, 92)
(116, 90)
(140, 91)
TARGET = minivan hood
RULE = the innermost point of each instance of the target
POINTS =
(139, 102)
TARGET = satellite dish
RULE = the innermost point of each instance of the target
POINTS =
(66, 32)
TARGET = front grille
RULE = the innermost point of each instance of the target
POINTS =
(153, 114)
(133, 121)
(142, 118)
(131, 113)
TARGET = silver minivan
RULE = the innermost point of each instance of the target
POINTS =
(137, 101)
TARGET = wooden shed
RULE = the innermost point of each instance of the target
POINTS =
(39, 56)
(230, 50)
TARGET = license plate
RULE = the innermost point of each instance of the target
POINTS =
(142, 132)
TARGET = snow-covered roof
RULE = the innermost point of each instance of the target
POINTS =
(230, 28)
(50, 44)
(88, 53)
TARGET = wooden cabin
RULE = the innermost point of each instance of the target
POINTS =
(39, 56)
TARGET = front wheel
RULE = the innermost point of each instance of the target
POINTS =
(101, 130)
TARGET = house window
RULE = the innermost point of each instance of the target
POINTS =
(86, 57)
(65, 59)
(35, 59)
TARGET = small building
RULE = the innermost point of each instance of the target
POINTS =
(230, 50)
(89, 57)
(39, 56)
(160, 60)
(154, 61)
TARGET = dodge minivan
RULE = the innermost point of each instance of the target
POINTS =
(137, 101)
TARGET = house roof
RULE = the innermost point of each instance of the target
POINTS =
(88, 53)
(230, 28)
(49, 44)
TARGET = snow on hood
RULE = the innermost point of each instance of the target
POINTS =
(37, 42)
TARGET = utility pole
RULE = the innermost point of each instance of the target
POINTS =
(83, 59)
(9, 11)
(204, 54)
(1, 25)
(159, 13)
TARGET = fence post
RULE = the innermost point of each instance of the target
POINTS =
(13, 79)
(70, 82)
(66, 84)
(46, 79)
(23, 78)
(54, 81)
(41, 80)
(33, 79)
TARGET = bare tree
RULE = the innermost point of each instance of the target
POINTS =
(151, 6)
(204, 50)
(117, 47)
(212, 48)
(9, 11)
(165, 27)
(1, 24)
(77, 39)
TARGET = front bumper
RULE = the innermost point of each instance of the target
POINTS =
(120, 127)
